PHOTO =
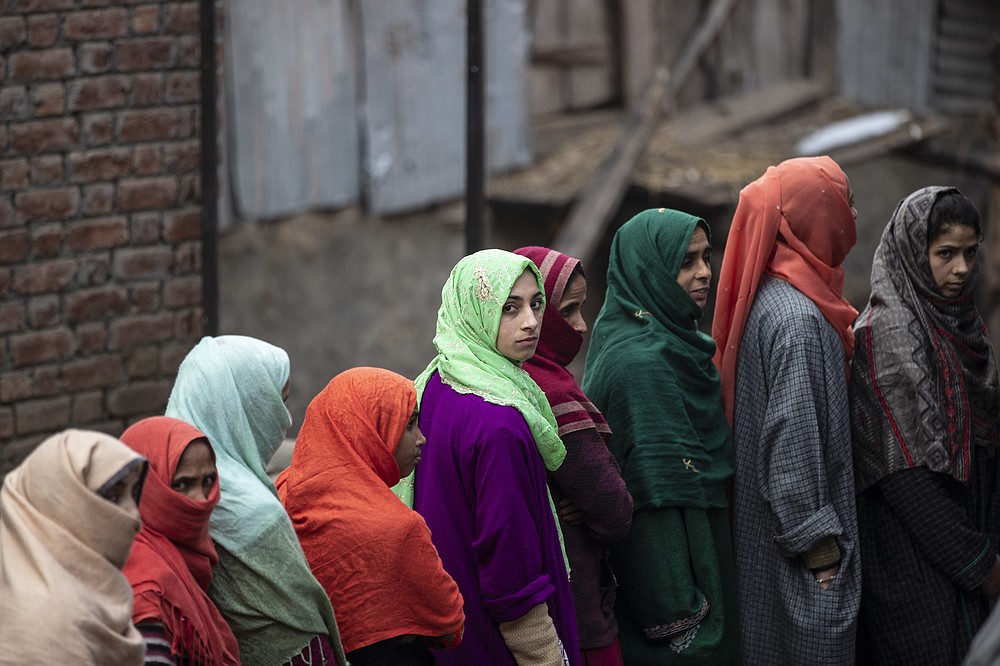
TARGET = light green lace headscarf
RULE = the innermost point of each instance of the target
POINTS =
(468, 361)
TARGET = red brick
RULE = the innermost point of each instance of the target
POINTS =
(145, 19)
(46, 381)
(91, 338)
(5, 280)
(146, 53)
(46, 170)
(12, 31)
(40, 346)
(92, 372)
(99, 164)
(182, 225)
(14, 103)
(6, 423)
(94, 269)
(189, 324)
(48, 205)
(98, 92)
(96, 234)
(15, 246)
(148, 125)
(46, 241)
(146, 193)
(14, 174)
(4, 136)
(189, 56)
(7, 215)
(182, 292)
(15, 386)
(142, 262)
(144, 397)
(44, 135)
(95, 58)
(145, 297)
(145, 228)
(97, 303)
(142, 363)
(48, 99)
(187, 259)
(40, 65)
(171, 355)
(146, 160)
(41, 277)
(188, 189)
(97, 199)
(182, 18)
(147, 90)
(41, 415)
(96, 24)
(43, 30)
(135, 331)
(13, 317)
(25, 6)
(183, 87)
(182, 157)
(98, 129)
(88, 407)
(43, 311)
(185, 122)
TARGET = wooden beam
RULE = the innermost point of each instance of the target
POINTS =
(589, 217)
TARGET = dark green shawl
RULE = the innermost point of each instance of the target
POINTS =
(650, 372)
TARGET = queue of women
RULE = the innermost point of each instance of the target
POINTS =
(807, 485)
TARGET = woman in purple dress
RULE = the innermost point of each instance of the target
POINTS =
(491, 435)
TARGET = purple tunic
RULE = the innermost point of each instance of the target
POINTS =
(481, 489)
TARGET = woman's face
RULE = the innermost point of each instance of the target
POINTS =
(953, 257)
(571, 305)
(408, 449)
(125, 493)
(195, 475)
(696, 268)
(521, 319)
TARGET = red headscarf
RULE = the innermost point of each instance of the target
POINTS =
(794, 223)
(558, 345)
(170, 566)
(372, 554)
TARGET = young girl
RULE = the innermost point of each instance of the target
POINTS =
(924, 410)
(170, 566)
(68, 515)
(595, 507)
(233, 388)
(372, 554)
(481, 486)
(650, 371)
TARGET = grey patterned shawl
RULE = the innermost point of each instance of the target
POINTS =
(924, 384)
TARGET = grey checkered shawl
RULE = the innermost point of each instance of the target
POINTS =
(794, 484)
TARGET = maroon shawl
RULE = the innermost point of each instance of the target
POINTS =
(558, 345)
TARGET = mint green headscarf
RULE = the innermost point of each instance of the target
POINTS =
(230, 387)
(650, 371)
(468, 361)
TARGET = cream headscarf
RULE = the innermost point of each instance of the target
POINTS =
(63, 598)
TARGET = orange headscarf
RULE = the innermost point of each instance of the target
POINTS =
(170, 566)
(371, 553)
(794, 223)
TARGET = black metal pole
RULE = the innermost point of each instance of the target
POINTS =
(475, 145)
(209, 175)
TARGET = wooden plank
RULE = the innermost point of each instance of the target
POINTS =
(638, 48)
(290, 102)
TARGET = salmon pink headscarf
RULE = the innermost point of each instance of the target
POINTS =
(371, 553)
(171, 563)
(794, 223)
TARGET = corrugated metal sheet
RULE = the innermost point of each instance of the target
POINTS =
(291, 106)
(414, 83)
(964, 77)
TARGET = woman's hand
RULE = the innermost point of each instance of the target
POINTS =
(570, 512)
(825, 577)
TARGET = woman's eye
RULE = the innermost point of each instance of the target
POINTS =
(179, 486)
(536, 305)
(509, 308)
(944, 254)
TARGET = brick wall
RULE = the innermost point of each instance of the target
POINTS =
(100, 258)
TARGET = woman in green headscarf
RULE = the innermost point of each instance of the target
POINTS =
(233, 388)
(650, 372)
